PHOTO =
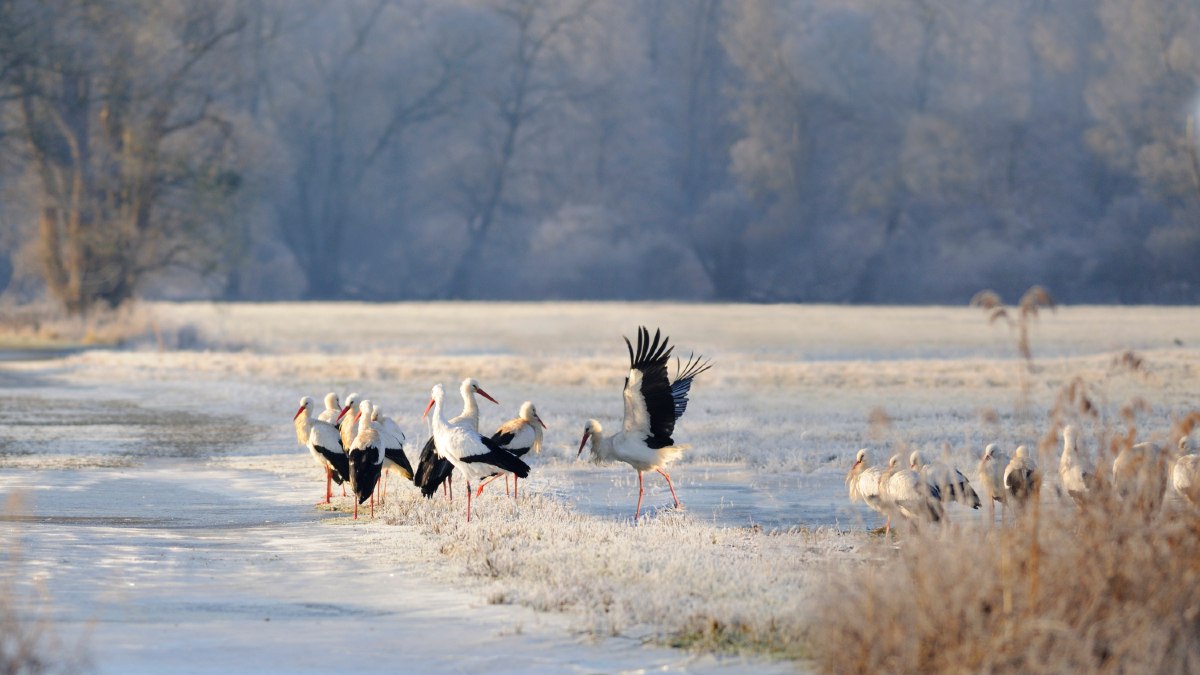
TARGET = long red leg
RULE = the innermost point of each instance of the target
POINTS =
(450, 482)
(328, 486)
(672, 486)
(372, 504)
(514, 487)
(356, 507)
(443, 489)
(641, 491)
(484, 484)
(468, 500)
(343, 489)
(506, 484)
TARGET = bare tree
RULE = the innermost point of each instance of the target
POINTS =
(118, 110)
(520, 93)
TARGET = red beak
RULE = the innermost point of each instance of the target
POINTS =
(581, 444)
(356, 418)
(541, 422)
(297, 413)
(431, 405)
(341, 414)
(485, 395)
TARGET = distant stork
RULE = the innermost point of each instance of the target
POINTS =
(652, 406)
(991, 478)
(333, 409)
(394, 459)
(1185, 475)
(905, 491)
(323, 442)
(518, 436)
(474, 455)
(366, 459)
(1022, 481)
(434, 469)
(863, 483)
(953, 486)
(1077, 473)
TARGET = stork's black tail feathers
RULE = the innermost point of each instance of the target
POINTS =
(432, 470)
(501, 458)
(397, 455)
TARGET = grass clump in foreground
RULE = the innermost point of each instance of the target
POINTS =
(670, 579)
(1109, 587)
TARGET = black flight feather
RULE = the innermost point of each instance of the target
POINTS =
(432, 470)
(500, 458)
(339, 462)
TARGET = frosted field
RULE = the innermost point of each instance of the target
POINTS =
(164, 496)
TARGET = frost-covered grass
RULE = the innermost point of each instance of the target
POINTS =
(670, 578)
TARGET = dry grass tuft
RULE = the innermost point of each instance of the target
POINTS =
(48, 326)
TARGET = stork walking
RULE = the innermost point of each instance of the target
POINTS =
(394, 459)
(1077, 473)
(323, 442)
(653, 404)
(863, 483)
(518, 436)
(1022, 481)
(991, 479)
(433, 469)
(366, 459)
(474, 455)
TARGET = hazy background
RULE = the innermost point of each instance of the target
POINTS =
(768, 150)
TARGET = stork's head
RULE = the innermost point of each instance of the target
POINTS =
(592, 428)
(860, 459)
(915, 460)
(351, 403)
(529, 414)
(894, 463)
(364, 408)
(332, 402)
(1021, 451)
(470, 386)
(990, 451)
(1186, 445)
(376, 415)
(306, 403)
(436, 394)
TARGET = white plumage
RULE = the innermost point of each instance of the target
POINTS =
(905, 491)
(1140, 475)
(1022, 481)
(333, 409)
(519, 436)
(863, 483)
(653, 403)
(323, 442)
(953, 486)
(991, 473)
(1077, 473)
(1185, 475)
(346, 424)
(432, 468)
(366, 458)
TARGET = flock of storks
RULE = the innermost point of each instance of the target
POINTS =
(362, 449)
(922, 491)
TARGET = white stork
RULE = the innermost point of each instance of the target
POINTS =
(345, 424)
(366, 459)
(1185, 475)
(323, 442)
(333, 409)
(905, 491)
(1022, 481)
(394, 459)
(518, 436)
(433, 469)
(863, 482)
(1140, 474)
(474, 455)
(1077, 473)
(652, 406)
(953, 486)
(991, 478)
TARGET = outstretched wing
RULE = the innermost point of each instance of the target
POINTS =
(649, 402)
(683, 381)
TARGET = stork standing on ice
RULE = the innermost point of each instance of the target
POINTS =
(863, 482)
(1022, 481)
(905, 491)
(652, 406)
(1077, 473)
(433, 469)
(991, 478)
(394, 459)
(366, 459)
(323, 442)
(518, 436)
(474, 455)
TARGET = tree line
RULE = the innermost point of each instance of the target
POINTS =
(742, 150)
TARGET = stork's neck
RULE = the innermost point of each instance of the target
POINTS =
(303, 427)
(470, 408)
(602, 446)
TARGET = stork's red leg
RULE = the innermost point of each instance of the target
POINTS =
(343, 489)
(468, 500)
(328, 486)
(664, 473)
(372, 504)
(356, 507)
(641, 491)
(514, 487)
(450, 482)
(506, 484)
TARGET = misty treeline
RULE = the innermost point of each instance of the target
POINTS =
(769, 150)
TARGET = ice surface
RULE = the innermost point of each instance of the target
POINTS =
(179, 473)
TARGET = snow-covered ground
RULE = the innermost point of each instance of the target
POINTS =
(165, 498)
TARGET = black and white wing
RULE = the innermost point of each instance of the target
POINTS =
(649, 403)
(432, 469)
(324, 440)
(500, 458)
(683, 381)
